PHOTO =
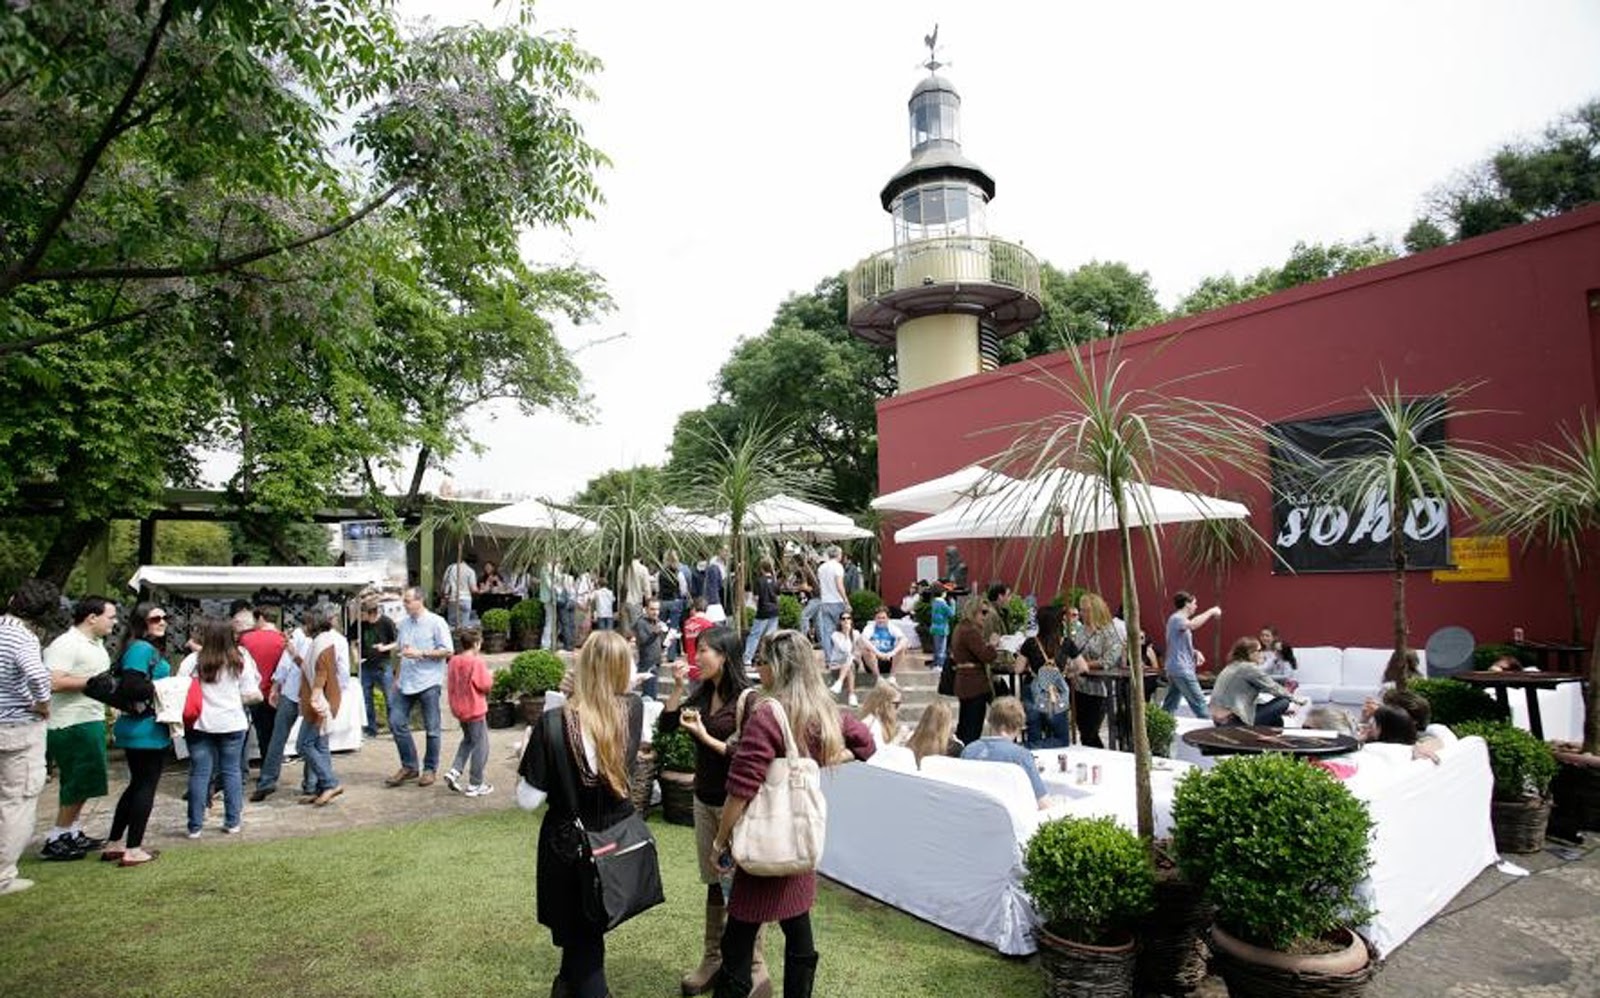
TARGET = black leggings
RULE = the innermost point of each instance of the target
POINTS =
(133, 807)
(583, 965)
(969, 722)
(739, 947)
(1091, 711)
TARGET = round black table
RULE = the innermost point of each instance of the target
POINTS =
(1529, 682)
(1246, 740)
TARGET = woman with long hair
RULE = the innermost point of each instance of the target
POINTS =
(972, 650)
(1044, 689)
(1239, 685)
(600, 726)
(228, 683)
(830, 736)
(144, 742)
(935, 733)
(1103, 648)
(709, 712)
(319, 704)
(880, 712)
(847, 650)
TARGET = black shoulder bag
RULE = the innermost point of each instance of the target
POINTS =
(128, 690)
(625, 870)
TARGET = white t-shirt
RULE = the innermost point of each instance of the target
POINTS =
(459, 580)
(830, 581)
(79, 656)
(222, 702)
(605, 602)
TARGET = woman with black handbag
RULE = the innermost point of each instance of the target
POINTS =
(581, 759)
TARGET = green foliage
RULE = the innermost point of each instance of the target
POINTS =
(622, 485)
(788, 612)
(1484, 656)
(497, 621)
(675, 750)
(1069, 597)
(1014, 614)
(1278, 846)
(1159, 726)
(1090, 878)
(923, 613)
(863, 604)
(1523, 765)
(534, 673)
(527, 617)
(1453, 702)
(1096, 300)
(1306, 263)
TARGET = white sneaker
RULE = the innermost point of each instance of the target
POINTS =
(16, 885)
(194, 834)
(838, 686)
(478, 790)
(452, 780)
(854, 700)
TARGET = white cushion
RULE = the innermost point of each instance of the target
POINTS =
(1318, 667)
(1363, 667)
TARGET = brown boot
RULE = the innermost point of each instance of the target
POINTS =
(704, 977)
(760, 982)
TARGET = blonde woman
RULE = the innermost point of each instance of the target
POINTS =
(1103, 647)
(599, 730)
(825, 733)
(880, 712)
(935, 733)
(972, 650)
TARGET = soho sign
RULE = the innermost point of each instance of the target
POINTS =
(1324, 523)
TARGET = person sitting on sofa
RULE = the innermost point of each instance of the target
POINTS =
(1411, 665)
(935, 733)
(1004, 726)
(1233, 698)
(1401, 719)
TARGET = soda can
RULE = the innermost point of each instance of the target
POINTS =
(1094, 775)
(1083, 772)
(1061, 761)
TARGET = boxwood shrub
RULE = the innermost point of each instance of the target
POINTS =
(1523, 765)
(788, 612)
(863, 604)
(1090, 878)
(674, 750)
(1277, 844)
(1453, 702)
(1159, 727)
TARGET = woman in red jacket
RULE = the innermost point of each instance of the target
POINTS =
(827, 734)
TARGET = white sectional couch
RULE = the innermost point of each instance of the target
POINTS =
(1344, 676)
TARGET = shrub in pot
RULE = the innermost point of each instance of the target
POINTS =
(1278, 846)
(1523, 768)
(1452, 702)
(675, 755)
(1159, 727)
(1089, 878)
(788, 612)
(502, 700)
(1014, 615)
(496, 627)
(533, 674)
(527, 623)
(863, 604)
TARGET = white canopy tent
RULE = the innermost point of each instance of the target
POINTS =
(533, 516)
(941, 493)
(206, 581)
(1065, 502)
(784, 515)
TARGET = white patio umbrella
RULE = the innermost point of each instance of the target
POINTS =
(683, 521)
(1065, 502)
(531, 516)
(941, 493)
(786, 515)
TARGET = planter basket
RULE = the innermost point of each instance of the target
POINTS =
(531, 709)
(1278, 976)
(1519, 825)
(1172, 953)
(494, 642)
(502, 714)
(1078, 970)
(677, 798)
(1576, 792)
(642, 779)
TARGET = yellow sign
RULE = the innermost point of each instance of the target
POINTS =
(1478, 559)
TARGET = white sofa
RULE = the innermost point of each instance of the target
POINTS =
(1344, 676)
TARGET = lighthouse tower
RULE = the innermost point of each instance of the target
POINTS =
(946, 293)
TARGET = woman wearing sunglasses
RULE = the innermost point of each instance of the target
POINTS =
(143, 741)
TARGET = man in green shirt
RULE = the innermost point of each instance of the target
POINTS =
(76, 736)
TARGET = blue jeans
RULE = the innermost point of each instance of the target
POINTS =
(672, 612)
(1047, 730)
(1187, 688)
(400, 726)
(752, 641)
(808, 621)
(941, 649)
(474, 746)
(827, 622)
(313, 748)
(272, 757)
(207, 752)
(373, 677)
(567, 625)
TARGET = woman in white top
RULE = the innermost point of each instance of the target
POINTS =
(847, 649)
(228, 681)
(880, 712)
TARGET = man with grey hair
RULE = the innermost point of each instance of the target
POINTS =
(831, 594)
(425, 646)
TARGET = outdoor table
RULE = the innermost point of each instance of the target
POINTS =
(1568, 657)
(1529, 682)
(1242, 739)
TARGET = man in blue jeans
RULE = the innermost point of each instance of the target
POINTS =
(1182, 657)
(283, 696)
(425, 646)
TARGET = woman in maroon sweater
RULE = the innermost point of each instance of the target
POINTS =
(827, 734)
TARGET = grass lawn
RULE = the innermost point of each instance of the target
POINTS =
(433, 908)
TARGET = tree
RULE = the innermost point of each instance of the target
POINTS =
(1307, 262)
(1522, 182)
(619, 483)
(1096, 300)
(1119, 438)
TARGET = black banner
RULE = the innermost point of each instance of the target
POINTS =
(1314, 532)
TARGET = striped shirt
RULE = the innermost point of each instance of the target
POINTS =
(24, 681)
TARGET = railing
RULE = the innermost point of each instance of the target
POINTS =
(946, 260)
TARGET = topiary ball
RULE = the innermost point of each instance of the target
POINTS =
(1452, 702)
(1090, 878)
(1523, 765)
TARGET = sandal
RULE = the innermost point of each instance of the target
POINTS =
(148, 856)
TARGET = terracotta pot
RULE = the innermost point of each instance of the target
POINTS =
(677, 797)
(1083, 970)
(1252, 971)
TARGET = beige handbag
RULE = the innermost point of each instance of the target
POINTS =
(782, 831)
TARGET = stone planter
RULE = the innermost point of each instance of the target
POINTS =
(1255, 972)
(1080, 970)
(677, 797)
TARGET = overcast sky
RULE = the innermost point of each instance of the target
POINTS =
(749, 142)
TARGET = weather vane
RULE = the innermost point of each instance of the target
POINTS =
(932, 41)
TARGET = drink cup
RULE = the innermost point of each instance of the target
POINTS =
(1083, 772)
(1061, 761)
(1094, 775)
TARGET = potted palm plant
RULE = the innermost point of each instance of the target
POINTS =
(1089, 878)
(496, 629)
(1284, 890)
(1523, 768)
(675, 754)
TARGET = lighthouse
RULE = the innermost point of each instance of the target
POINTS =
(947, 292)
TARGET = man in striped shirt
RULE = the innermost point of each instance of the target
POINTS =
(24, 706)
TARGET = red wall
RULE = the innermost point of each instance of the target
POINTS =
(1518, 310)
